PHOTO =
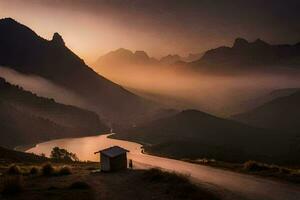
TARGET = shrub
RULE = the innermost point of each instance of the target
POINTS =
(14, 170)
(80, 185)
(48, 169)
(62, 154)
(176, 186)
(12, 185)
(65, 170)
(255, 166)
(34, 170)
(283, 170)
(156, 174)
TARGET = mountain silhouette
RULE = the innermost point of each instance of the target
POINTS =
(24, 51)
(125, 57)
(170, 59)
(194, 134)
(282, 113)
(26, 118)
(247, 55)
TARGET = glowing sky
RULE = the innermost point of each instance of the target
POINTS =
(94, 27)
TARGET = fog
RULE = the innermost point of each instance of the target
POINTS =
(41, 87)
(178, 87)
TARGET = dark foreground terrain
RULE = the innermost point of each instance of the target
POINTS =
(39, 178)
(83, 183)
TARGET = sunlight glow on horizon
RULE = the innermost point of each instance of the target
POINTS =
(91, 34)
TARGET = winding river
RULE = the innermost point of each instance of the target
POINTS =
(234, 185)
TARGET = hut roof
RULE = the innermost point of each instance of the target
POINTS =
(113, 151)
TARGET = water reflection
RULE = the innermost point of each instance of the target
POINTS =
(86, 146)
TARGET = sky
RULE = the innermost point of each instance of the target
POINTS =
(92, 28)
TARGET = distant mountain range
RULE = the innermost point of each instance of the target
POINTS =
(26, 118)
(243, 54)
(194, 134)
(124, 57)
(24, 51)
(282, 113)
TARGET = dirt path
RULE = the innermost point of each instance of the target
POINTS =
(242, 186)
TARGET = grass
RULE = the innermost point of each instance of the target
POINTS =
(12, 185)
(65, 170)
(14, 170)
(176, 185)
(255, 168)
(48, 169)
(80, 185)
(34, 170)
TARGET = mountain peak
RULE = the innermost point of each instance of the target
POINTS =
(240, 42)
(8, 20)
(260, 42)
(57, 39)
(141, 54)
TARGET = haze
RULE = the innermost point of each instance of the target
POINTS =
(222, 95)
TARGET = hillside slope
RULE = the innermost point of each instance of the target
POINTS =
(24, 51)
(282, 113)
(8, 156)
(27, 118)
(249, 56)
(194, 134)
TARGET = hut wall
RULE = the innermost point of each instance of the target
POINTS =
(105, 162)
(118, 162)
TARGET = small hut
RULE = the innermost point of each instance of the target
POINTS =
(113, 158)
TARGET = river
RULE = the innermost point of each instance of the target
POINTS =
(240, 186)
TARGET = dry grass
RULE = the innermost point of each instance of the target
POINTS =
(48, 169)
(65, 170)
(80, 185)
(34, 170)
(14, 170)
(176, 185)
(12, 185)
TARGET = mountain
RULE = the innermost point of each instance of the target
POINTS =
(260, 100)
(170, 59)
(125, 57)
(244, 54)
(282, 113)
(24, 51)
(176, 59)
(194, 134)
(192, 57)
(26, 118)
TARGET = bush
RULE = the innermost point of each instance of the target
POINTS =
(12, 185)
(176, 186)
(14, 170)
(34, 170)
(155, 174)
(255, 166)
(63, 155)
(80, 185)
(65, 170)
(48, 169)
